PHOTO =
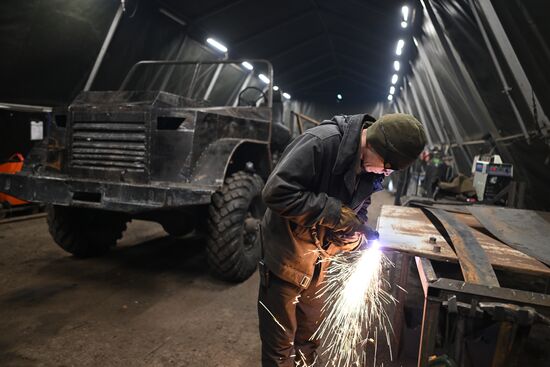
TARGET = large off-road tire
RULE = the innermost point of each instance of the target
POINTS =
(233, 246)
(85, 232)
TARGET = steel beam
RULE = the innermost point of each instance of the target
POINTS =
(315, 83)
(104, 47)
(278, 24)
(296, 46)
(301, 65)
(502, 77)
(217, 10)
(509, 54)
(424, 94)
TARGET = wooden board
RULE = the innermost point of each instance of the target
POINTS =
(408, 230)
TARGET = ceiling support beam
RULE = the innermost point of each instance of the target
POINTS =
(318, 73)
(276, 25)
(301, 65)
(365, 84)
(314, 83)
(295, 47)
(217, 10)
(364, 32)
(327, 34)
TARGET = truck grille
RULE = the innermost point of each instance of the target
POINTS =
(109, 145)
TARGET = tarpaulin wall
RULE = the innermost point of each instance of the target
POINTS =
(463, 87)
(49, 47)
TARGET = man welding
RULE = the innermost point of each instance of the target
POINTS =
(317, 198)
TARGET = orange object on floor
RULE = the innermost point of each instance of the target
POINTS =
(13, 165)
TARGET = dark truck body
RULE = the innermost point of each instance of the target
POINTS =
(116, 155)
(135, 151)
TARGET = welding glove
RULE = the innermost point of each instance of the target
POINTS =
(349, 222)
(350, 241)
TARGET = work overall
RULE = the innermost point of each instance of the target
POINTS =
(316, 175)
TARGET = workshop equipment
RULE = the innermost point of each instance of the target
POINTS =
(491, 176)
(13, 165)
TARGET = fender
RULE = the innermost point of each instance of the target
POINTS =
(225, 156)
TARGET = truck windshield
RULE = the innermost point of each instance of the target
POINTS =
(218, 83)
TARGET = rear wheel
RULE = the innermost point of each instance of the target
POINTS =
(233, 227)
(177, 224)
(85, 232)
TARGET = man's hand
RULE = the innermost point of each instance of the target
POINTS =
(349, 222)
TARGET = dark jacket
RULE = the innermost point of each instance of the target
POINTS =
(315, 176)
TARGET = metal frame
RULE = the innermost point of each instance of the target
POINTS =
(438, 291)
(418, 106)
(510, 56)
(470, 96)
(506, 87)
(197, 65)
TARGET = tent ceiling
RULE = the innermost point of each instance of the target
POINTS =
(318, 47)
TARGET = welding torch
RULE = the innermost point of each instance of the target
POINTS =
(371, 237)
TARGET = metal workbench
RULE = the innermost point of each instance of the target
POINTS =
(470, 280)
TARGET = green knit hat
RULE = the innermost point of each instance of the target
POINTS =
(398, 138)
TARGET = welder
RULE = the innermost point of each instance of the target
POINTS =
(317, 198)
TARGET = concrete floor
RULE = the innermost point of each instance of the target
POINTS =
(151, 302)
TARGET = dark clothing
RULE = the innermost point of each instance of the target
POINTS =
(299, 312)
(317, 174)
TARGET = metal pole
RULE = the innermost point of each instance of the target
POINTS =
(104, 47)
(510, 56)
(470, 94)
(213, 82)
(377, 110)
(424, 95)
(423, 119)
(170, 71)
(503, 80)
(432, 79)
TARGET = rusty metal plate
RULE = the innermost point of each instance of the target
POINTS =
(474, 262)
(525, 230)
(408, 230)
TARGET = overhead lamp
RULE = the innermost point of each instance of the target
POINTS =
(390, 97)
(217, 45)
(394, 78)
(404, 24)
(264, 78)
(405, 11)
(392, 89)
(275, 88)
(339, 96)
(247, 65)
(415, 42)
(286, 95)
(399, 47)
(396, 65)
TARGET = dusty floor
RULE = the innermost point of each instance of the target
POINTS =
(151, 302)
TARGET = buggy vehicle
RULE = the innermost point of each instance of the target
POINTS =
(145, 152)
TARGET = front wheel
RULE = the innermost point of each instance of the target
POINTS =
(85, 232)
(233, 227)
